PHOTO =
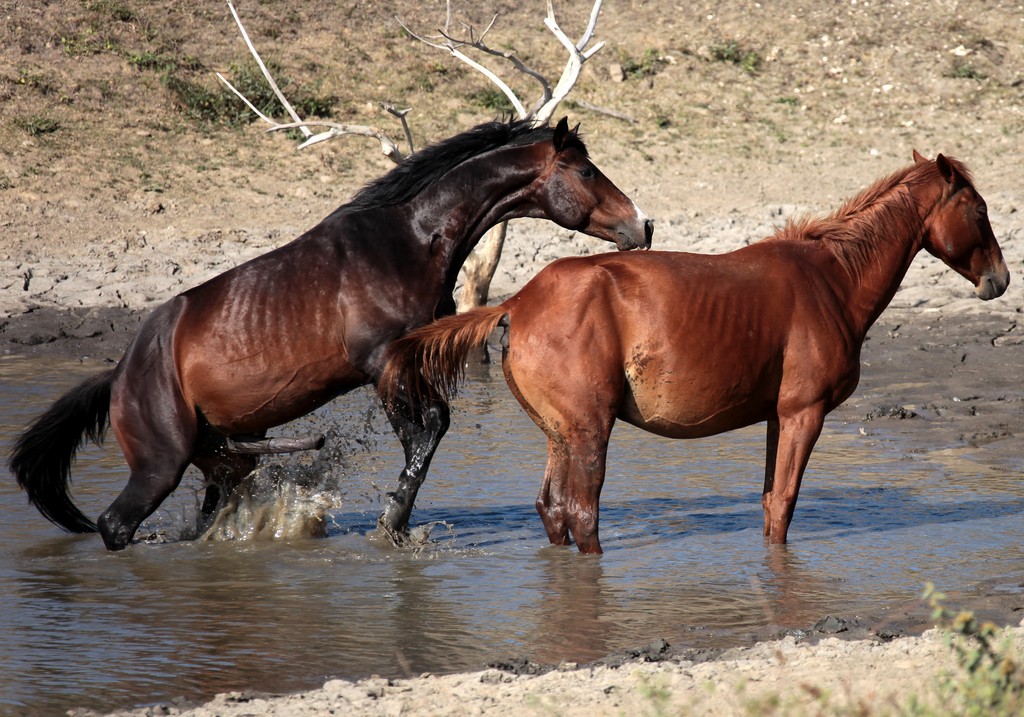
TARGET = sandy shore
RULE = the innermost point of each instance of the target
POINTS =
(780, 677)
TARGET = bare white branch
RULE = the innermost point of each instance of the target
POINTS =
(452, 48)
(400, 114)
(591, 25)
(577, 56)
(266, 73)
(510, 55)
(334, 129)
(550, 98)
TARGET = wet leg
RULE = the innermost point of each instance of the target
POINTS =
(797, 436)
(157, 432)
(551, 501)
(770, 456)
(222, 472)
(150, 482)
(420, 429)
(587, 458)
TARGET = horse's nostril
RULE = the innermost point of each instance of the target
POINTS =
(648, 230)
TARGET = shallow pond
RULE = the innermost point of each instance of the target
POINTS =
(681, 527)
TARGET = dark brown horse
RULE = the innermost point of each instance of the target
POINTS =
(272, 339)
(686, 345)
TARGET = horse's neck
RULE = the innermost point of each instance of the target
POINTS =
(877, 263)
(472, 198)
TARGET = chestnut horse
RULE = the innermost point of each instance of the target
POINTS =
(269, 341)
(687, 345)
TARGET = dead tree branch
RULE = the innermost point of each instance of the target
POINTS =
(332, 129)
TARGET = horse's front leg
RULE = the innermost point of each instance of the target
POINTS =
(796, 436)
(770, 455)
(420, 428)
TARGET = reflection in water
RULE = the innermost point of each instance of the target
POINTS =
(575, 609)
(681, 521)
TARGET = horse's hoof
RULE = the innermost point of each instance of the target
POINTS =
(396, 536)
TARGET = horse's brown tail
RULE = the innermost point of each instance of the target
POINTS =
(429, 362)
(42, 456)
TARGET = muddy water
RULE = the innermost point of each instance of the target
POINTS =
(879, 515)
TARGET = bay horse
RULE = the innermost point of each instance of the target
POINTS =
(270, 340)
(687, 345)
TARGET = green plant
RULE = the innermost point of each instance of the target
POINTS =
(38, 125)
(149, 60)
(86, 41)
(36, 81)
(220, 105)
(649, 64)
(992, 679)
(657, 695)
(963, 70)
(732, 52)
(491, 98)
(117, 10)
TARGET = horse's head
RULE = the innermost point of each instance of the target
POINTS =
(573, 193)
(959, 233)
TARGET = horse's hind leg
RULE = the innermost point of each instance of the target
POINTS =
(771, 453)
(420, 430)
(587, 456)
(551, 501)
(575, 409)
(222, 472)
(152, 479)
(155, 427)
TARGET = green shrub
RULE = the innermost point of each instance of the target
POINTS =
(963, 70)
(37, 125)
(648, 65)
(732, 52)
(491, 98)
(991, 683)
(220, 105)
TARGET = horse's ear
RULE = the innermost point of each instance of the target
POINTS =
(918, 158)
(947, 170)
(562, 133)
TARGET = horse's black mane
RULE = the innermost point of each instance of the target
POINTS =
(428, 165)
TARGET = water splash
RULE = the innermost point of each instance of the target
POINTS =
(266, 506)
(283, 500)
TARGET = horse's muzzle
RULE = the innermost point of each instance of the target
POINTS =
(993, 284)
(626, 240)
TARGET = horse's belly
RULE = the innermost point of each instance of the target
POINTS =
(665, 421)
(690, 409)
(238, 402)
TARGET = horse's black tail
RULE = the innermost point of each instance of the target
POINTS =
(42, 457)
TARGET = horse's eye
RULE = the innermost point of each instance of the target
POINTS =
(982, 210)
(587, 172)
